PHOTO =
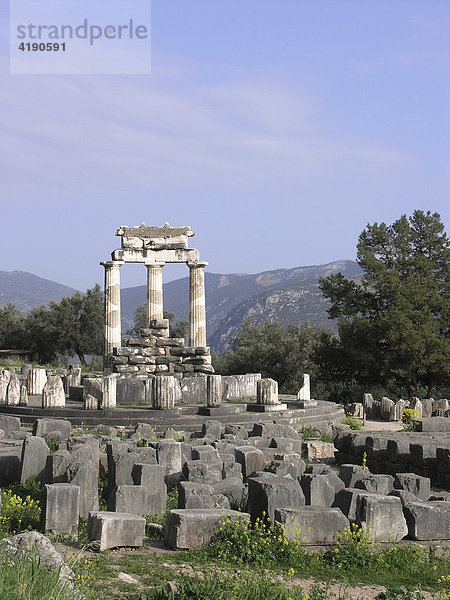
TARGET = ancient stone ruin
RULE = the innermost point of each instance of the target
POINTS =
(154, 352)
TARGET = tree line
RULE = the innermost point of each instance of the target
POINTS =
(72, 326)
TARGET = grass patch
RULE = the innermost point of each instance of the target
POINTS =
(309, 433)
(25, 578)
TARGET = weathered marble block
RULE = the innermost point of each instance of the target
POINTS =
(53, 393)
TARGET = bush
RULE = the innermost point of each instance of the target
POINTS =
(258, 544)
(353, 422)
(354, 550)
(18, 514)
(309, 433)
(32, 488)
(411, 419)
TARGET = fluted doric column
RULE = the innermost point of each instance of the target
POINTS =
(154, 292)
(197, 311)
(113, 333)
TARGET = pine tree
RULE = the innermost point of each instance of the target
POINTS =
(395, 324)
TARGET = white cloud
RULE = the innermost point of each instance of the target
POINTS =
(81, 136)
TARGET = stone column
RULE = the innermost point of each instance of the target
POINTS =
(109, 391)
(197, 312)
(163, 392)
(154, 292)
(113, 333)
(13, 391)
(53, 393)
(92, 392)
(267, 392)
(304, 392)
(37, 378)
(213, 391)
(5, 376)
(23, 400)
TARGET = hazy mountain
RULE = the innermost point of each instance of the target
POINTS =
(285, 295)
(29, 291)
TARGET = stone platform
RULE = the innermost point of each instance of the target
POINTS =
(182, 417)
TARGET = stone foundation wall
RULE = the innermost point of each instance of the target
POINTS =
(154, 352)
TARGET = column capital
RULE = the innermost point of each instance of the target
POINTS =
(112, 263)
(156, 265)
(197, 264)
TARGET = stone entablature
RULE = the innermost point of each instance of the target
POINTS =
(155, 246)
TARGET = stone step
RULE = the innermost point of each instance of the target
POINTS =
(181, 418)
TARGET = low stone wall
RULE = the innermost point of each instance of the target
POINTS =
(189, 388)
(426, 454)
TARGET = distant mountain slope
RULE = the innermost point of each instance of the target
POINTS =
(29, 291)
(225, 292)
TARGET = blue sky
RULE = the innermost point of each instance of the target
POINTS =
(276, 129)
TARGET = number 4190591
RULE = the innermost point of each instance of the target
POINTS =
(42, 47)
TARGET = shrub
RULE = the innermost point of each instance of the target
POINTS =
(52, 443)
(309, 433)
(32, 488)
(353, 422)
(259, 544)
(18, 514)
(354, 550)
(411, 419)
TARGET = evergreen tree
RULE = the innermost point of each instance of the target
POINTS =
(395, 324)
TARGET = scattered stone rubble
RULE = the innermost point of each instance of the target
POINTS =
(268, 470)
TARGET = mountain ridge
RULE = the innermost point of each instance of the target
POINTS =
(288, 295)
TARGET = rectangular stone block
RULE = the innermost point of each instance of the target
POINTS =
(428, 520)
(414, 484)
(251, 460)
(34, 458)
(115, 530)
(317, 490)
(441, 424)
(168, 454)
(48, 426)
(151, 478)
(188, 529)
(382, 516)
(316, 450)
(130, 498)
(266, 492)
(9, 425)
(312, 525)
(60, 509)
(202, 472)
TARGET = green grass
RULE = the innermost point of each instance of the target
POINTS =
(25, 578)
(309, 433)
